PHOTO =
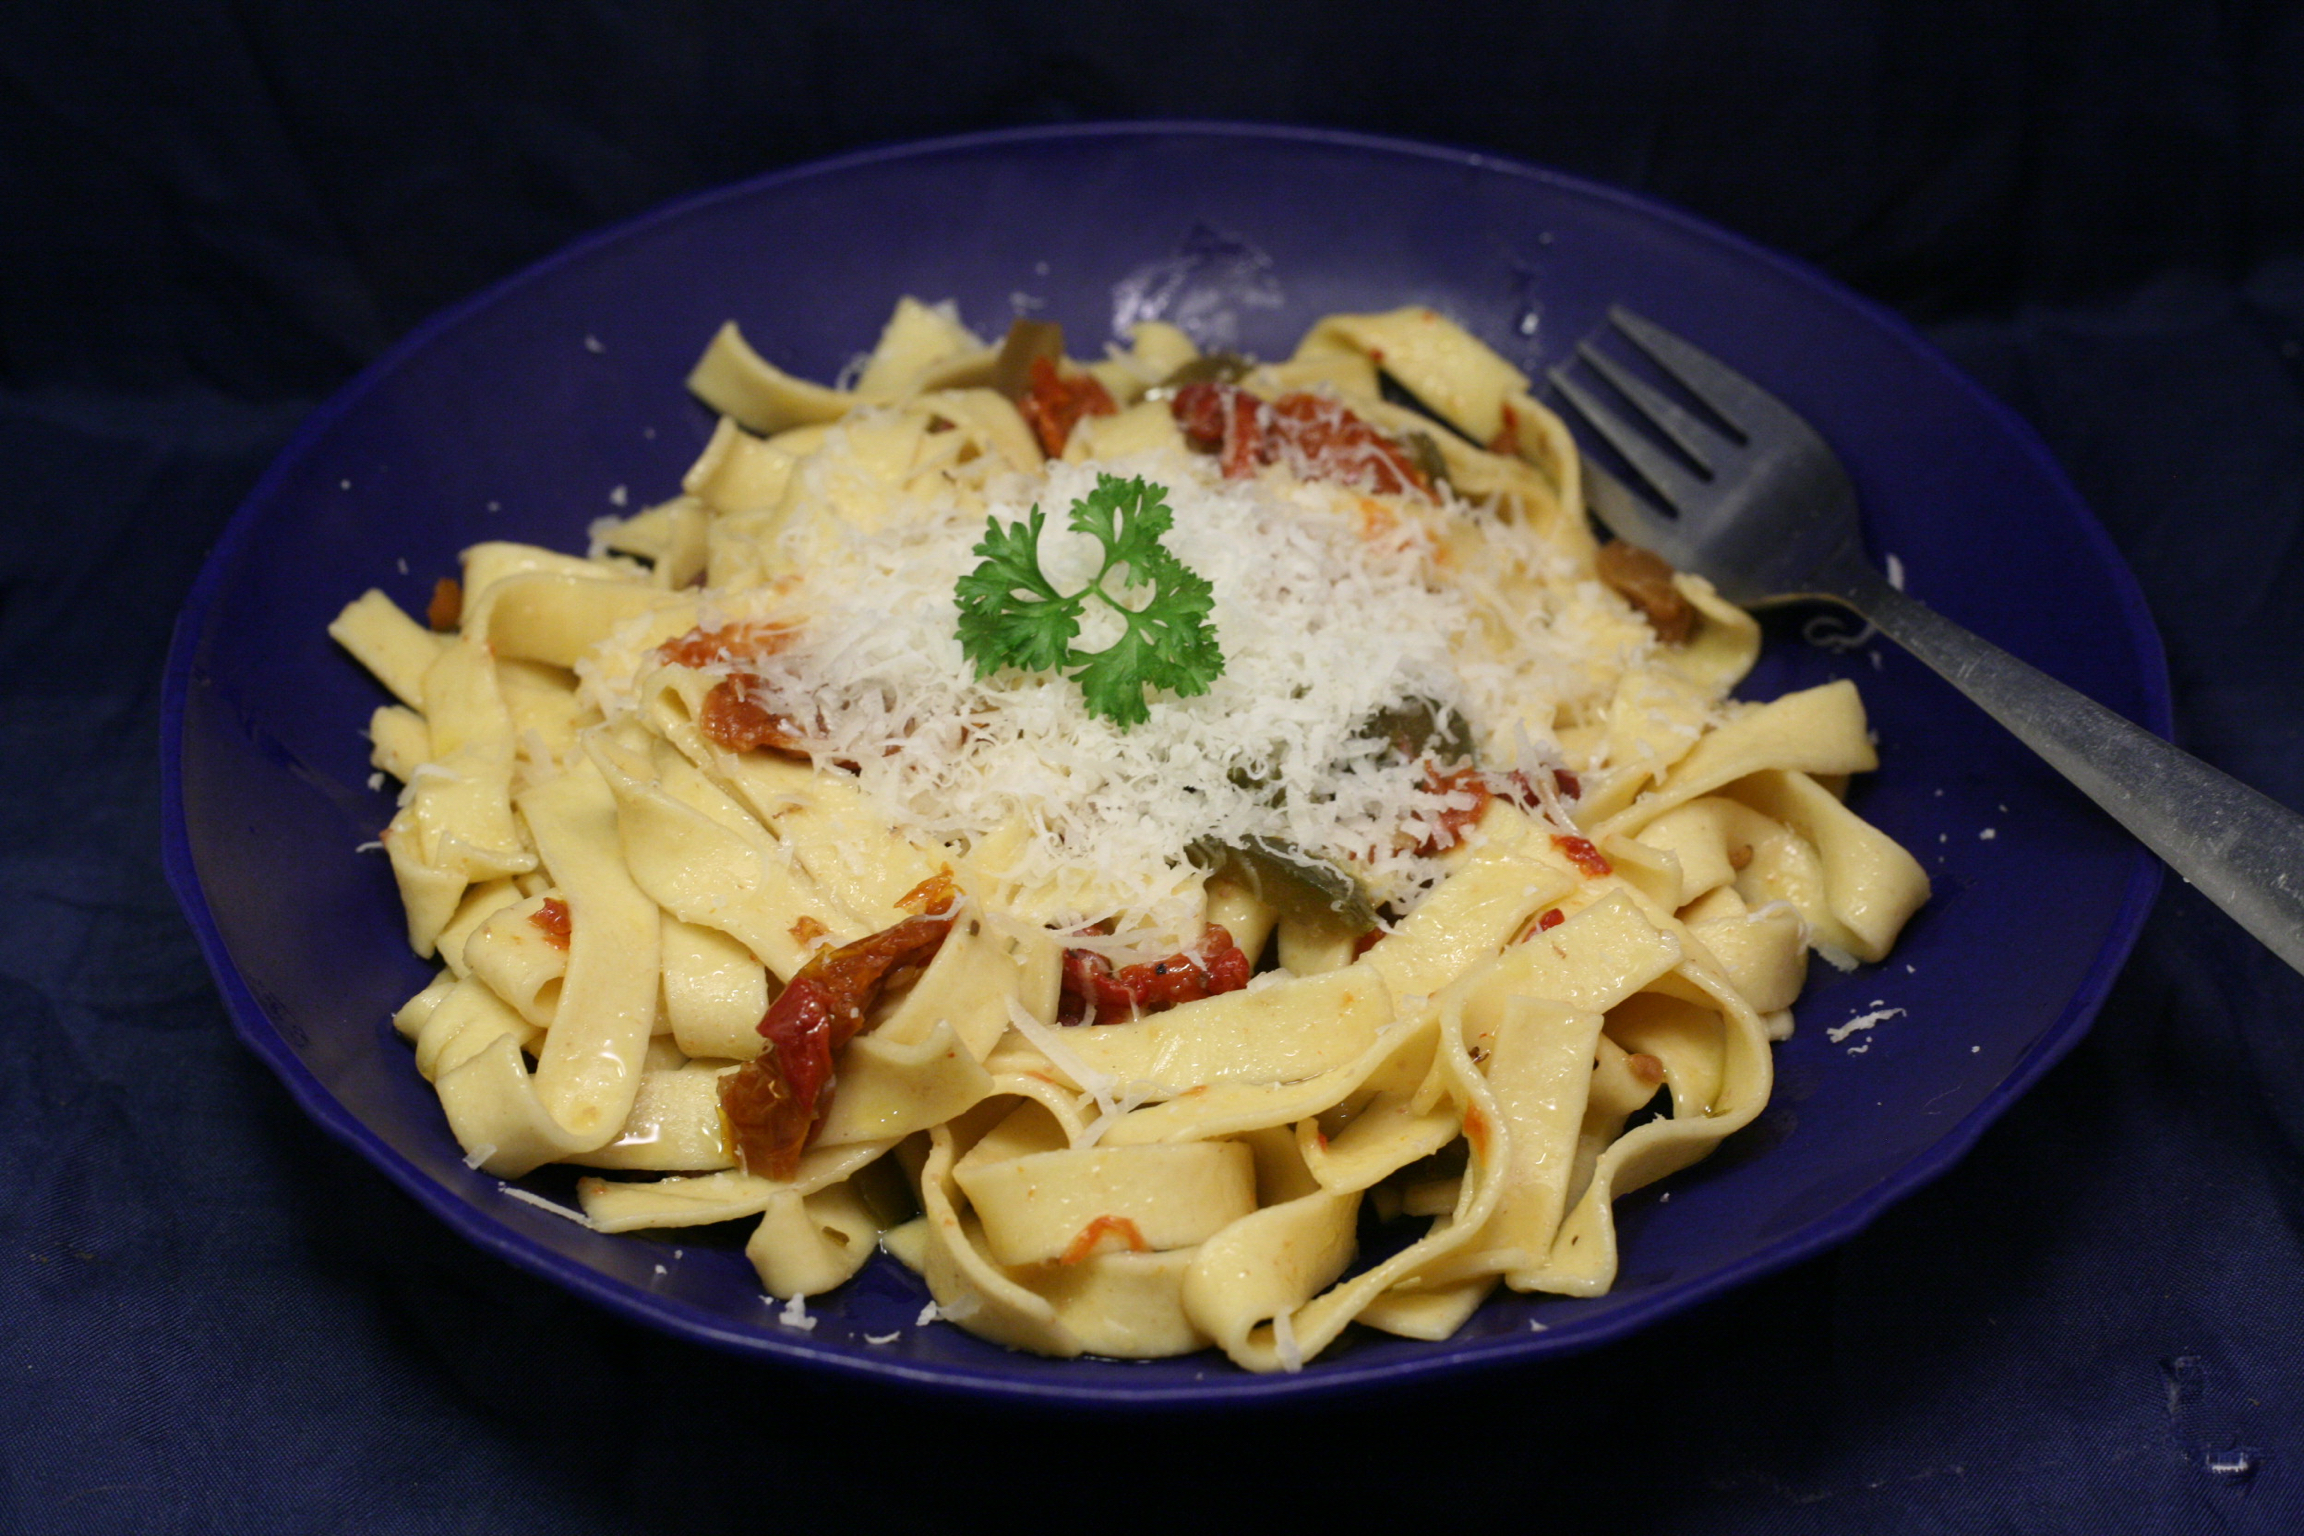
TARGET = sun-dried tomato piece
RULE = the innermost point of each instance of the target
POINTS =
(730, 642)
(1454, 821)
(1517, 788)
(553, 918)
(1321, 439)
(1583, 855)
(774, 1103)
(1201, 412)
(1547, 920)
(731, 719)
(1092, 989)
(446, 610)
(932, 895)
(1334, 444)
(1484, 787)
(1091, 1238)
(1054, 404)
(1225, 420)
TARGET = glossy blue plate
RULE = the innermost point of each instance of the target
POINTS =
(556, 398)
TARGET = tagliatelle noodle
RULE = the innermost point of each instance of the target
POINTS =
(1614, 917)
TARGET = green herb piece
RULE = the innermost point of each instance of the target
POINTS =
(1011, 615)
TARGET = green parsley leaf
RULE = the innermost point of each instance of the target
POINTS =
(1011, 615)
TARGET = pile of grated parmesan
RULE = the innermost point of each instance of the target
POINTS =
(1327, 615)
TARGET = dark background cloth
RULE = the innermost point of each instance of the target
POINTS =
(212, 212)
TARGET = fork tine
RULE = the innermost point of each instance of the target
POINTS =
(1690, 436)
(1676, 486)
(1629, 518)
(1743, 404)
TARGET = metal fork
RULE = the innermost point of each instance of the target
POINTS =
(1767, 516)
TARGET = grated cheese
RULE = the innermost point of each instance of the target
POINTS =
(1864, 1021)
(1097, 1085)
(543, 1204)
(1328, 615)
(1284, 1343)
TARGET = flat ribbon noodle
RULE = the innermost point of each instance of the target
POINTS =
(674, 1126)
(736, 381)
(715, 990)
(891, 1086)
(1472, 914)
(589, 1071)
(819, 817)
(983, 970)
(1583, 1258)
(709, 862)
(1818, 730)
(1440, 362)
(1046, 1206)
(469, 1019)
(1274, 1263)
(399, 742)
(617, 1206)
(396, 650)
(557, 616)
(969, 1288)
(1871, 885)
(518, 960)
(808, 1244)
(1293, 1029)
(481, 902)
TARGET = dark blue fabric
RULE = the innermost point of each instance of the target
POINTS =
(213, 1319)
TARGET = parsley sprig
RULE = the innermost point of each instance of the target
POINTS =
(1011, 614)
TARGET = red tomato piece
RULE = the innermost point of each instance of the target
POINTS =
(1054, 404)
(1455, 821)
(774, 1103)
(1092, 989)
(1084, 1246)
(730, 642)
(552, 917)
(1322, 439)
(732, 720)
(1584, 855)
(446, 610)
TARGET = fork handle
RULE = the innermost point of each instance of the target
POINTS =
(2242, 850)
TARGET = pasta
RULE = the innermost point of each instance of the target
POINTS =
(1437, 876)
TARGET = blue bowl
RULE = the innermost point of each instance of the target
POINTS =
(556, 396)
